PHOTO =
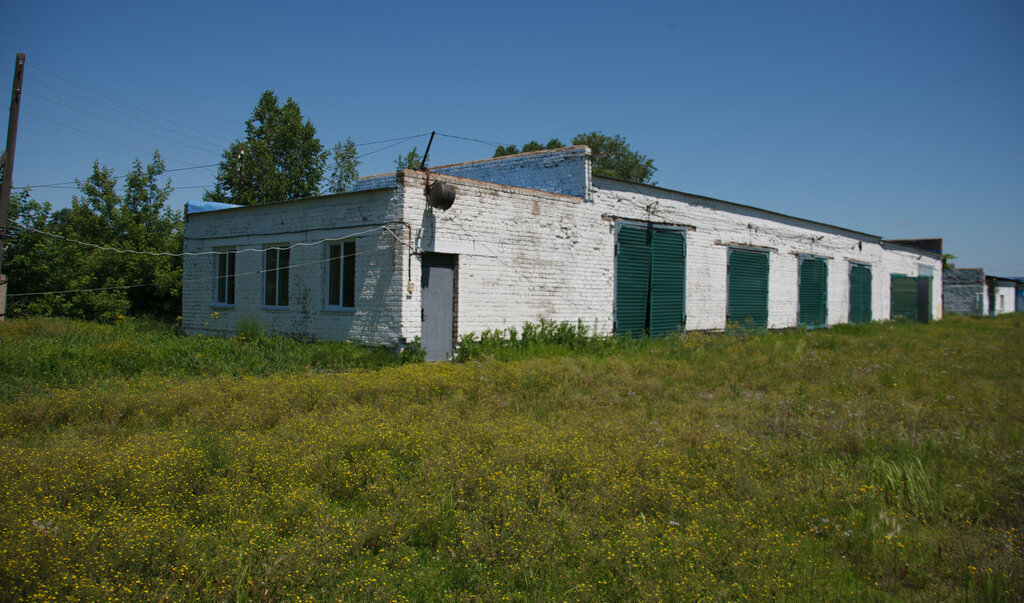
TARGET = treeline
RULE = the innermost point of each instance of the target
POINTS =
(45, 250)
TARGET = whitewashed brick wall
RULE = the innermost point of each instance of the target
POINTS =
(717, 225)
(523, 254)
(1005, 299)
(378, 276)
(563, 171)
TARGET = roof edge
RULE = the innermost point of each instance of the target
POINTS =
(595, 178)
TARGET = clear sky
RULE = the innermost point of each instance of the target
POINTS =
(903, 119)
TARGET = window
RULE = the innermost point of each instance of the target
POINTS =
(275, 285)
(341, 275)
(226, 278)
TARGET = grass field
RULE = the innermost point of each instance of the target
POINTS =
(878, 461)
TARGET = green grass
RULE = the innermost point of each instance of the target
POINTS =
(40, 353)
(881, 461)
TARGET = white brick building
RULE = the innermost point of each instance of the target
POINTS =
(535, 236)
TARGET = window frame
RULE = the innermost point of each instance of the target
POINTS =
(279, 275)
(227, 270)
(344, 262)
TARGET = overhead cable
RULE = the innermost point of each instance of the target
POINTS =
(94, 135)
(121, 124)
(120, 112)
(120, 102)
(196, 253)
(197, 279)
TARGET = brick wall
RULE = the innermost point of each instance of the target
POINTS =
(305, 223)
(717, 225)
(963, 291)
(563, 171)
(523, 254)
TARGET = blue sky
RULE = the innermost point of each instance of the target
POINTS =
(902, 119)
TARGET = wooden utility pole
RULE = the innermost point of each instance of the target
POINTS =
(7, 163)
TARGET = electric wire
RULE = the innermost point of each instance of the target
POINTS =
(197, 253)
(75, 182)
(496, 144)
(122, 124)
(94, 135)
(120, 112)
(389, 146)
(403, 138)
(120, 102)
(196, 279)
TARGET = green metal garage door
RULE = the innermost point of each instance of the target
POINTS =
(813, 297)
(904, 297)
(632, 280)
(650, 280)
(747, 289)
(668, 281)
(860, 293)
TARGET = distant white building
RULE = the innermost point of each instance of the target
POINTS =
(535, 236)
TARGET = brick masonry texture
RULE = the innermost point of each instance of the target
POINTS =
(964, 292)
(534, 236)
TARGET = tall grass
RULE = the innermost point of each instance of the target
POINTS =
(869, 462)
(40, 353)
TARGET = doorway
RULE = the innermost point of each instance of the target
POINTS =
(437, 310)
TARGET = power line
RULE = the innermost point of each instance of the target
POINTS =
(198, 253)
(400, 141)
(404, 138)
(122, 124)
(75, 182)
(119, 111)
(94, 135)
(497, 144)
(120, 102)
(202, 278)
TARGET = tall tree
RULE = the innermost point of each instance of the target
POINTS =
(344, 168)
(613, 158)
(279, 158)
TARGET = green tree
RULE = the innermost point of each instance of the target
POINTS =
(533, 145)
(345, 167)
(613, 158)
(409, 161)
(279, 158)
(136, 220)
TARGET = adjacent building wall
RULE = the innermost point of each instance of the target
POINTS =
(1004, 294)
(305, 224)
(964, 291)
